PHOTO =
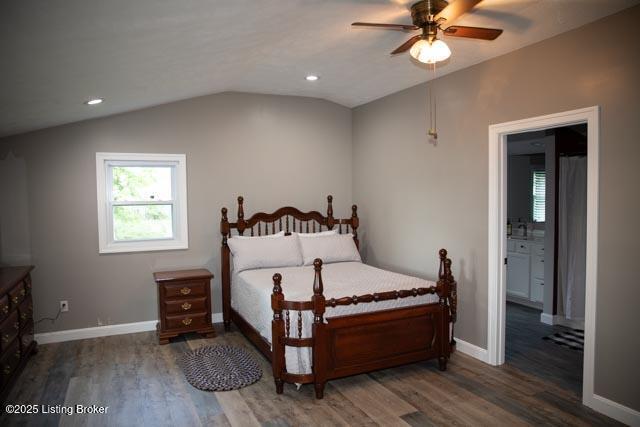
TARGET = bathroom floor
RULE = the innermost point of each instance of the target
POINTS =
(527, 351)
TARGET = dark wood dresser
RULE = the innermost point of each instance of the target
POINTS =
(16, 324)
(184, 303)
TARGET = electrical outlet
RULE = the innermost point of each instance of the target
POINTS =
(64, 306)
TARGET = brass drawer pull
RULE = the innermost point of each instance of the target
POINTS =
(15, 299)
(23, 316)
(6, 337)
(5, 309)
(23, 292)
(186, 306)
(187, 321)
(185, 291)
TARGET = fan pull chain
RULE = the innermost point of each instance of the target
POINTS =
(433, 131)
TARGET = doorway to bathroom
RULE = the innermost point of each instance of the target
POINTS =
(546, 253)
(551, 249)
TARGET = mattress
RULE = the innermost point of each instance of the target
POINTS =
(251, 297)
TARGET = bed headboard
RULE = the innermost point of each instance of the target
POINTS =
(287, 219)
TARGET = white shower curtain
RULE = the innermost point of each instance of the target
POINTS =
(572, 236)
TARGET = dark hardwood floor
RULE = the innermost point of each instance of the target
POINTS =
(142, 384)
(526, 350)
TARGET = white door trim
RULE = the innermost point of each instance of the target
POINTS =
(497, 231)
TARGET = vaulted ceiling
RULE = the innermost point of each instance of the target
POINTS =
(56, 54)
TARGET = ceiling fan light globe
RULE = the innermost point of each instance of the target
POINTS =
(430, 53)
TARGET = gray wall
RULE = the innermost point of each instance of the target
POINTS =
(416, 197)
(274, 150)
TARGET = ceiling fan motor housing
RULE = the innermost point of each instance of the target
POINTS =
(423, 12)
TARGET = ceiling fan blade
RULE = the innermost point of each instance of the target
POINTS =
(407, 45)
(472, 32)
(387, 26)
(456, 9)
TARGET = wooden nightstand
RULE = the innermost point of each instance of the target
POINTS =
(184, 303)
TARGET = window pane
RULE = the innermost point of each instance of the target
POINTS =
(539, 190)
(142, 222)
(141, 183)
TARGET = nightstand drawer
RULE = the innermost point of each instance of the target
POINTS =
(187, 321)
(193, 305)
(184, 289)
(9, 330)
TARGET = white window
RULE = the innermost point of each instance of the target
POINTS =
(539, 190)
(142, 202)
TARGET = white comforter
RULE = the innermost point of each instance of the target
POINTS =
(251, 297)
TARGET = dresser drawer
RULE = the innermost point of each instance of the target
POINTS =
(26, 338)
(25, 311)
(9, 329)
(10, 361)
(27, 285)
(181, 306)
(17, 294)
(4, 307)
(187, 321)
(184, 289)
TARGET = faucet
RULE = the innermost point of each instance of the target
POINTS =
(523, 226)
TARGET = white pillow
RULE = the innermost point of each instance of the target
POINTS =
(329, 248)
(268, 236)
(264, 253)
(321, 233)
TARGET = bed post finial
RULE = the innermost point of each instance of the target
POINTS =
(443, 256)
(277, 280)
(241, 224)
(330, 220)
(317, 284)
(224, 226)
(355, 223)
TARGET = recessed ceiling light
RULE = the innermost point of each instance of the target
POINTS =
(312, 78)
(94, 101)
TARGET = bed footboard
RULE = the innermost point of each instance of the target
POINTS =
(359, 343)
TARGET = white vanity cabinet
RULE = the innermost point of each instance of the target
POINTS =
(518, 275)
(525, 270)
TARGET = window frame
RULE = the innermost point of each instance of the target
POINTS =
(104, 180)
(533, 193)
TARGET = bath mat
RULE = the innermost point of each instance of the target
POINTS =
(572, 338)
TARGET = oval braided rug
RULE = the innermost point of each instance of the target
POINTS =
(220, 368)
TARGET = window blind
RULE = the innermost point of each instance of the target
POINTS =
(538, 195)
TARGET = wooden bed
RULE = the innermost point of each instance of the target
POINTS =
(341, 345)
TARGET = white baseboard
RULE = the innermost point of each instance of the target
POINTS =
(472, 350)
(550, 319)
(614, 410)
(104, 331)
(546, 318)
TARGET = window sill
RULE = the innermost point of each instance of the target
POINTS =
(145, 247)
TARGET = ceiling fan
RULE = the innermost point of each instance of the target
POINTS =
(431, 16)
